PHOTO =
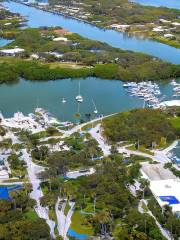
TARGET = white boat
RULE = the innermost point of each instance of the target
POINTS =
(79, 98)
(95, 109)
(174, 83)
(64, 100)
(130, 84)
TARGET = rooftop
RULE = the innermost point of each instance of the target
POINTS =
(167, 192)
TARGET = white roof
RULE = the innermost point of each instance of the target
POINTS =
(12, 51)
(6, 24)
(170, 103)
(164, 20)
(154, 172)
(120, 25)
(169, 188)
(60, 39)
(176, 23)
(168, 35)
(158, 29)
(4, 174)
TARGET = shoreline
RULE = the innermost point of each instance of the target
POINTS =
(155, 39)
(171, 147)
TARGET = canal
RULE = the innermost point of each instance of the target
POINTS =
(37, 18)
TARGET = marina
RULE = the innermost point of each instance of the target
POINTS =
(58, 97)
(147, 91)
(89, 134)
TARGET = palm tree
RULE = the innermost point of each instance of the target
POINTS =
(144, 184)
(104, 219)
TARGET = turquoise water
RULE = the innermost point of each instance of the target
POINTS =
(76, 235)
(176, 151)
(159, 3)
(109, 97)
(37, 18)
(3, 42)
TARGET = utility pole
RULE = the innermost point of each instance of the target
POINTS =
(94, 204)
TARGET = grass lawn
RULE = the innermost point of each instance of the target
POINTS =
(32, 215)
(66, 210)
(141, 149)
(175, 122)
(80, 224)
(65, 65)
(89, 208)
(52, 215)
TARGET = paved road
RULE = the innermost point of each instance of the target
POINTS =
(63, 221)
(96, 134)
(78, 127)
(159, 155)
(37, 193)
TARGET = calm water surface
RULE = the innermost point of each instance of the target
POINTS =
(37, 18)
(108, 95)
(3, 42)
(176, 151)
(159, 3)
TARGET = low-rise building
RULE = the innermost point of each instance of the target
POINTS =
(11, 52)
(60, 39)
(169, 36)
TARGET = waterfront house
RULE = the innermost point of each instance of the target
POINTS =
(11, 52)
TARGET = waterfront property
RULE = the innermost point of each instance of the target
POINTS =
(11, 52)
(115, 39)
(164, 185)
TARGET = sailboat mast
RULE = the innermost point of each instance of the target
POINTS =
(79, 87)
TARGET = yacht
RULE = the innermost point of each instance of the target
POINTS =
(79, 98)
(95, 109)
(63, 100)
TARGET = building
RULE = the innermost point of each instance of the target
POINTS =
(12, 52)
(167, 192)
(169, 36)
(60, 39)
(164, 185)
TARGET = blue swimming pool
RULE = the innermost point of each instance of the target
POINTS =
(4, 191)
(169, 199)
(76, 235)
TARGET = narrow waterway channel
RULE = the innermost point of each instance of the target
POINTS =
(38, 18)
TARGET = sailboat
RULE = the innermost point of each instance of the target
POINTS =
(79, 98)
(63, 100)
(95, 109)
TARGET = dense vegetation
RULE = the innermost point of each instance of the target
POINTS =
(18, 219)
(131, 17)
(32, 70)
(166, 218)
(122, 11)
(91, 58)
(109, 207)
(146, 127)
